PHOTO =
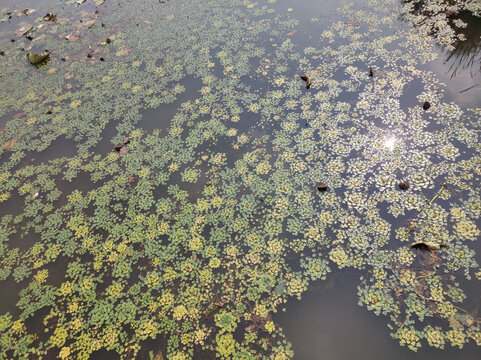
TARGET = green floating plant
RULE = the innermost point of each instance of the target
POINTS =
(212, 220)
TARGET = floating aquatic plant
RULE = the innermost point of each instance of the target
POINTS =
(212, 219)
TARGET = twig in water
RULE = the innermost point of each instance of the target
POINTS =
(412, 226)
(471, 87)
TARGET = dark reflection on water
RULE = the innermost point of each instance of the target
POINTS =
(467, 54)
(460, 67)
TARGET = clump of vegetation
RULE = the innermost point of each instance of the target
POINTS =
(212, 219)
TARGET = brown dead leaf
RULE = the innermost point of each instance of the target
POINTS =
(159, 356)
(39, 37)
(419, 290)
(72, 37)
(465, 319)
(50, 17)
(455, 324)
(62, 20)
(10, 143)
(90, 23)
(23, 30)
(123, 151)
(83, 14)
(29, 11)
(123, 52)
(427, 246)
(469, 320)
(358, 22)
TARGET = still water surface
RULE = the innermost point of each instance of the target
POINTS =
(327, 323)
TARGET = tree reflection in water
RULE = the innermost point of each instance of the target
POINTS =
(466, 54)
(454, 24)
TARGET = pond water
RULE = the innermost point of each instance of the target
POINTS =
(275, 163)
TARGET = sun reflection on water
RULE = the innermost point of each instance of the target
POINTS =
(390, 142)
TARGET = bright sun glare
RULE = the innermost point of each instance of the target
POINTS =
(389, 143)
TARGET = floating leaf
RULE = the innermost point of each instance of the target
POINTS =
(427, 246)
(122, 151)
(455, 324)
(38, 58)
(50, 17)
(24, 30)
(10, 143)
(307, 79)
(358, 22)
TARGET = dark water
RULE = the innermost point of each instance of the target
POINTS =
(327, 323)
